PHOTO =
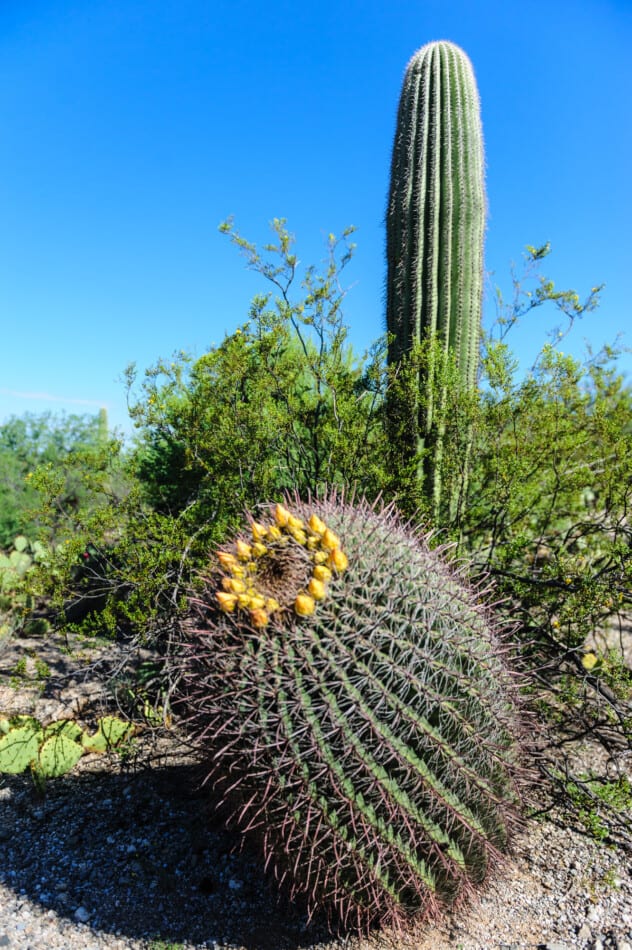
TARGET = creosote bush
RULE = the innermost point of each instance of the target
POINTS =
(349, 699)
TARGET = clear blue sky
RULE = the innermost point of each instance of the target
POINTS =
(131, 128)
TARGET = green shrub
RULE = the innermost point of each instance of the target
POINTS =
(281, 404)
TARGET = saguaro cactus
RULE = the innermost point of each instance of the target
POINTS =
(435, 224)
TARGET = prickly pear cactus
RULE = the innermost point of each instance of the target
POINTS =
(15, 600)
(350, 702)
(51, 751)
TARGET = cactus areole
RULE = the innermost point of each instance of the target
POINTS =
(353, 712)
(436, 209)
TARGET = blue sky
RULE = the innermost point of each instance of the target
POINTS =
(132, 128)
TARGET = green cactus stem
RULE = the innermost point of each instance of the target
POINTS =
(435, 225)
(360, 728)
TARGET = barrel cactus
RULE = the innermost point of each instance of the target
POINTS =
(435, 224)
(350, 703)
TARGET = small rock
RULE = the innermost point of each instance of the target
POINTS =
(81, 915)
(584, 934)
(235, 885)
(4, 941)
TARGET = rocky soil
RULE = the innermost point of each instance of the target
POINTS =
(123, 853)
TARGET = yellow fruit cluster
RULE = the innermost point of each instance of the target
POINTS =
(239, 581)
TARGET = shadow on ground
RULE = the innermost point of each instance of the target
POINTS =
(138, 855)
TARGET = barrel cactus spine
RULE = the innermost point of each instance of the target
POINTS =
(364, 732)
(435, 226)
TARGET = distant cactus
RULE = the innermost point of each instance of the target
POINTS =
(15, 564)
(435, 224)
(102, 427)
(15, 600)
(350, 703)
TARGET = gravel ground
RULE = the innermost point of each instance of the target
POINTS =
(125, 855)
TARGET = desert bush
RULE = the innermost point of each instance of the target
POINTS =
(62, 444)
(283, 403)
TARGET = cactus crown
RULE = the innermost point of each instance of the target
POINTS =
(284, 565)
(368, 744)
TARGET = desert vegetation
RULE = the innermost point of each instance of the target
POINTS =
(378, 748)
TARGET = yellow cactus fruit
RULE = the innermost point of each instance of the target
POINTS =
(257, 602)
(244, 551)
(316, 525)
(228, 561)
(272, 604)
(227, 602)
(281, 516)
(312, 542)
(304, 605)
(590, 661)
(244, 600)
(322, 573)
(329, 540)
(317, 589)
(259, 531)
(259, 549)
(338, 560)
(258, 617)
(320, 557)
(295, 523)
(274, 534)
(234, 585)
(299, 536)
